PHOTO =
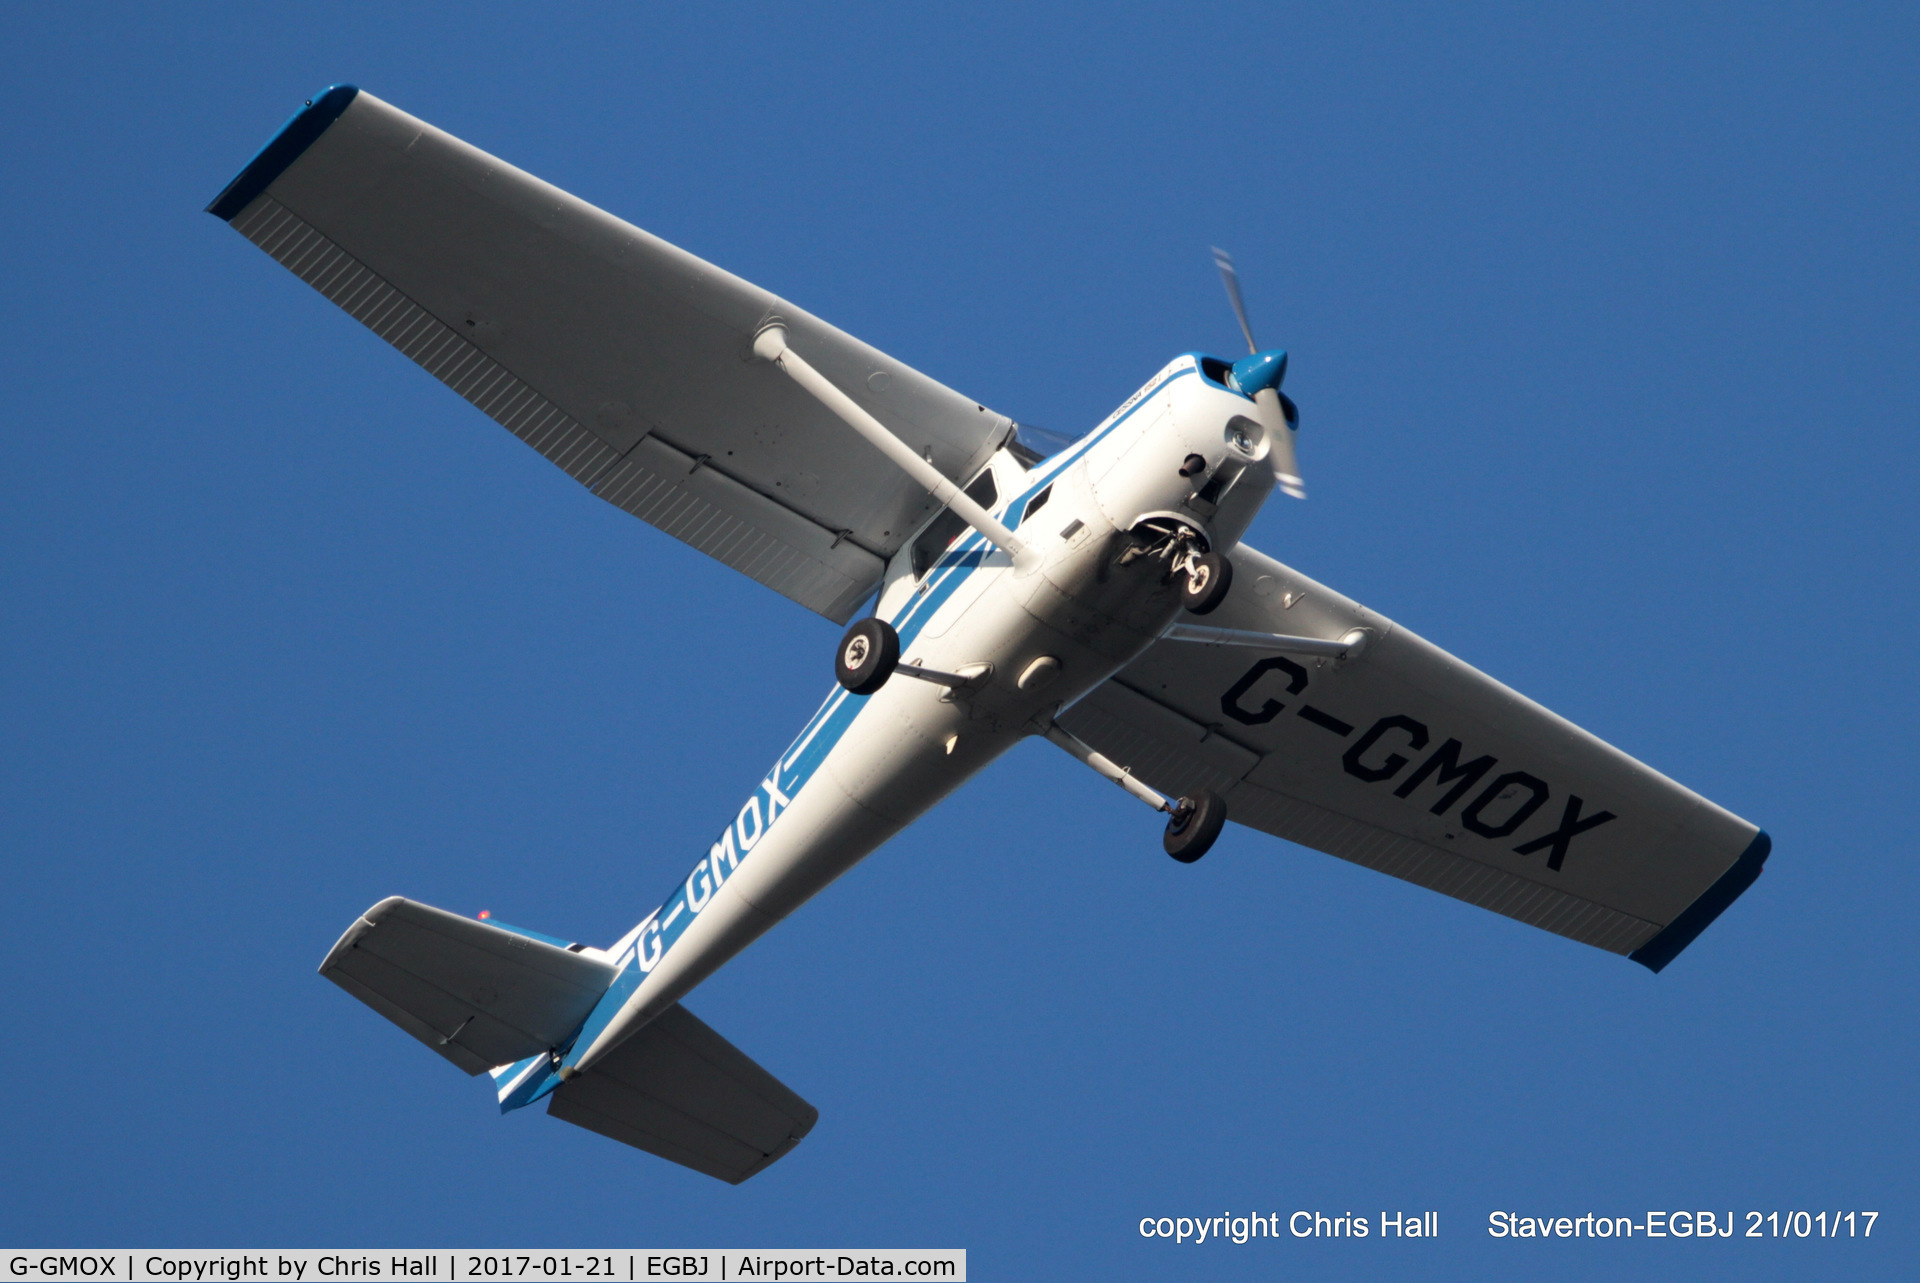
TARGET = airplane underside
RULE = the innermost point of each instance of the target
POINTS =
(1100, 597)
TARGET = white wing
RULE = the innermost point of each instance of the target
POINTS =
(1411, 762)
(622, 359)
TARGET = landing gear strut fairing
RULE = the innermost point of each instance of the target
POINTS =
(1099, 598)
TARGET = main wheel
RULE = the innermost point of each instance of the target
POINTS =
(1195, 823)
(867, 656)
(1208, 580)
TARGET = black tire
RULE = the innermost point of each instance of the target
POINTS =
(1207, 583)
(1194, 825)
(867, 656)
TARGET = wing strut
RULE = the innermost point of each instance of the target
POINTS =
(1346, 646)
(1193, 822)
(1105, 767)
(771, 345)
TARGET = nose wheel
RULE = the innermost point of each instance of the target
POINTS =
(1194, 824)
(1209, 576)
(867, 656)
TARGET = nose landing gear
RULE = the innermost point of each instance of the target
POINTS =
(1208, 577)
(1204, 576)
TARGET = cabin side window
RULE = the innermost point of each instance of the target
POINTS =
(946, 527)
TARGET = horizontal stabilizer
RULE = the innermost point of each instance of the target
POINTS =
(679, 1090)
(480, 995)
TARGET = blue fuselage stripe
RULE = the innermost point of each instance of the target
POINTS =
(968, 552)
(794, 769)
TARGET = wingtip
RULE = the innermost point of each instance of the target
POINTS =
(1656, 953)
(300, 132)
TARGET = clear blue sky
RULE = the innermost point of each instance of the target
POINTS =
(1604, 329)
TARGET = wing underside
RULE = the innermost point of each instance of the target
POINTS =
(622, 359)
(1410, 762)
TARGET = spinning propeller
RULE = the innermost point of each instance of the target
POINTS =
(1259, 375)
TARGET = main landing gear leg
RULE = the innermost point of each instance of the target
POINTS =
(1193, 822)
(870, 653)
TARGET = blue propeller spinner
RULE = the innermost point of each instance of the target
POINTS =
(1261, 370)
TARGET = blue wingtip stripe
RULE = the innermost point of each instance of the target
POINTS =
(285, 147)
(1698, 916)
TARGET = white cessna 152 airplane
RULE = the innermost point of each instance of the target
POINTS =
(1014, 595)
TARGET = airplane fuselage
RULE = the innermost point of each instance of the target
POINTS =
(1032, 642)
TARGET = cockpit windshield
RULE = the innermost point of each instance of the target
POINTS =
(1030, 444)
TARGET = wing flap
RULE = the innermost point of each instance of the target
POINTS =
(477, 994)
(679, 1090)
